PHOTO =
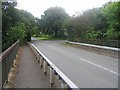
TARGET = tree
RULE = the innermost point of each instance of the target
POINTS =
(96, 23)
(37, 28)
(52, 22)
(9, 19)
(29, 20)
(16, 24)
(81, 25)
(112, 13)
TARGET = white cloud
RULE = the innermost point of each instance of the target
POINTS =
(37, 7)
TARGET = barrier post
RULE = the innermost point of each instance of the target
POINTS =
(41, 61)
(52, 77)
(45, 67)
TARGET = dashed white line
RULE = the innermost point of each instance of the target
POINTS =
(99, 66)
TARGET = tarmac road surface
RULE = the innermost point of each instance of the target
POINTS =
(86, 69)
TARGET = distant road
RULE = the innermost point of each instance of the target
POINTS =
(86, 69)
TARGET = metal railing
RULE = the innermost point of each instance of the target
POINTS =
(6, 60)
(111, 51)
(95, 46)
(65, 82)
(109, 43)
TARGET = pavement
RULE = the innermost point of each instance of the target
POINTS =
(86, 69)
(30, 74)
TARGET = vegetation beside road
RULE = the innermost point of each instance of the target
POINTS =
(97, 24)
(16, 24)
(93, 24)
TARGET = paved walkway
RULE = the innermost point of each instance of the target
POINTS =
(30, 74)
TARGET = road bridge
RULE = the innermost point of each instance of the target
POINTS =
(86, 69)
(53, 64)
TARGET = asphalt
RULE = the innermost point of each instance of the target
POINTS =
(86, 69)
(30, 74)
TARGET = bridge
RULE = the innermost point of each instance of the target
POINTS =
(55, 64)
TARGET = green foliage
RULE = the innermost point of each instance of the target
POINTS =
(37, 28)
(16, 24)
(45, 37)
(14, 33)
(112, 13)
(96, 23)
(112, 34)
(92, 35)
(17, 32)
(52, 22)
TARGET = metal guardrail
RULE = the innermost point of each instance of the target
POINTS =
(54, 71)
(6, 60)
(109, 43)
(95, 46)
(101, 49)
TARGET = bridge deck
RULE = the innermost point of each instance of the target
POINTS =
(30, 74)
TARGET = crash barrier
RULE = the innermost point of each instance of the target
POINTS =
(55, 72)
(101, 42)
(6, 61)
(100, 49)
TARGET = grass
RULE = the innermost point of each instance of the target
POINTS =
(43, 38)
(47, 37)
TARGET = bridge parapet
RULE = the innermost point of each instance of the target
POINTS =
(6, 61)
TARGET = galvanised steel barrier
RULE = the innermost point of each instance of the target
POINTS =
(55, 72)
(6, 60)
(103, 49)
(109, 43)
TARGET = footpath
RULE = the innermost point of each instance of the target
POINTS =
(30, 75)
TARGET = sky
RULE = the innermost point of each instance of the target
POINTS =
(72, 7)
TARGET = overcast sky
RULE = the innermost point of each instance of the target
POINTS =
(37, 7)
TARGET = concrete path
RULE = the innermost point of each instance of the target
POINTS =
(30, 74)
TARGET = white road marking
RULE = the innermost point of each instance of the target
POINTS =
(98, 66)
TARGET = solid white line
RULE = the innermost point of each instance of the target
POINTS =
(99, 66)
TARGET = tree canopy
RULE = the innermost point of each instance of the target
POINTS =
(97, 23)
(16, 24)
(52, 22)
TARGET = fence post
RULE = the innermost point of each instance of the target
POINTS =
(52, 77)
(45, 67)
(36, 54)
(38, 58)
(41, 61)
(54, 71)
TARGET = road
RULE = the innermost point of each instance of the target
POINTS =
(86, 69)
